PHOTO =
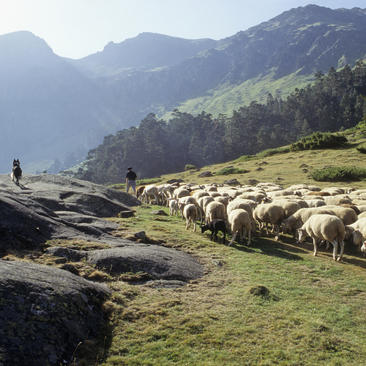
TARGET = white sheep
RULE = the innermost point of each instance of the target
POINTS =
(215, 210)
(173, 207)
(191, 215)
(295, 221)
(240, 223)
(150, 192)
(324, 227)
(360, 225)
(269, 213)
(362, 215)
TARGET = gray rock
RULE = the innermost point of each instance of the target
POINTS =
(178, 180)
(140, 235)
(71, 255)
(159, 262)
(45, 312)
(205, 174)
(253, 182)
(126, 214)
(232, 182)
(47, 207)
(159, 213)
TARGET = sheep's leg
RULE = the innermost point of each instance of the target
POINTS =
(187, 224)
(249, 237)
(224, 237)
(341, 251)
(233, 237)
(335, 249)
(194, 225)
(315, 247)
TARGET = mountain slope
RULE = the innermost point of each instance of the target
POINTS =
(146, 51)
(48, 109)
(300, 41)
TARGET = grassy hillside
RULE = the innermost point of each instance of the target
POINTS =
(272, 303)
(286, 168)
(226, 98)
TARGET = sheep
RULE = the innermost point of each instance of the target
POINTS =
(315, 202)
(347, 215)
(199, 194)
(360, 225)
(353, 235)
(215, 210)
(337, 200)
(180, 192)
(239, 203)
(139, 191)
(183, 201)
(295, 221)
(223, 199)
(362, 215)
(173, 207)
(150, 192)
(215, 226)
(202, 203)
(361, 208)
(190, 214)
(289, 207)
(269, 213)
(324, 227)
(240, 223)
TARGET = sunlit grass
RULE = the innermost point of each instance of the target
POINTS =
(313, 316)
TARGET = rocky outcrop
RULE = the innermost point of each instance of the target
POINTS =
(45, 207)
(45, 312)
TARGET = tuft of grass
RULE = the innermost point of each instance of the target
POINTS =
(270, 152)
(190, 167)
(231, 170)
(361, 148)
(339, 174)
(320, 140)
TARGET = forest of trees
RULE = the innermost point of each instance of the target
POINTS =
(335, 101)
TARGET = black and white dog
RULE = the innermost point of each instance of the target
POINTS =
(16, 172)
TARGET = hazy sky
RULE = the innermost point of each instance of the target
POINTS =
(77, 28)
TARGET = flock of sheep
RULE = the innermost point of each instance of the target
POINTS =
(332, 215)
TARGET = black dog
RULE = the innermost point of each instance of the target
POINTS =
(215, 226)
(16, 173)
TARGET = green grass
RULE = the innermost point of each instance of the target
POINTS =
(339, 174)
(231, 170)
(315, 307)
(228, 97)
(361, 148)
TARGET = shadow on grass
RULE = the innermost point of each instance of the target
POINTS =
(270, 247)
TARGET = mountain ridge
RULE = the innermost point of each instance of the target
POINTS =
(59, 111)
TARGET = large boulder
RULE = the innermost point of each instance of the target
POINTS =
(45, 312)
(46, 207)
(157, 261)
(61, 193)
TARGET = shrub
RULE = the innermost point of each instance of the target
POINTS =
(337, 174)
(270, 152)
(319, 140)
(190, 167)
(362, 148)
(231, 170)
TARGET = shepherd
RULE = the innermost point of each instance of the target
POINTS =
(16, 172)
(131, 180)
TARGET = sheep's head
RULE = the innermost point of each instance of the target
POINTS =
(357, 238)
(288, 225)
(204, 228)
